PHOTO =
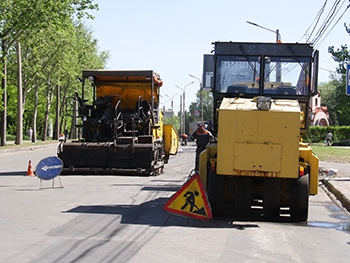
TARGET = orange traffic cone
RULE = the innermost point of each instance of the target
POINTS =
(30, 169)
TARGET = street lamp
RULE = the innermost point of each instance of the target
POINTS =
(183, 106)
(277, 32)
(278, 40)
(201, 94)
(172, 106)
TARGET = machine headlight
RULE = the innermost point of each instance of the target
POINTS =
(263, 103)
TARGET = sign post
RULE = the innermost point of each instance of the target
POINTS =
(190, 201)
(48, 169)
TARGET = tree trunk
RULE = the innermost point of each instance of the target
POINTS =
(4, 95)
(49, 92)
(19, 133)
(57, 130)
(35, 110)
(63, 121)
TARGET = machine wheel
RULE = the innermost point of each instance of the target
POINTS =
(271, 199)
(216, 193)
(300, 199)
(243, 197)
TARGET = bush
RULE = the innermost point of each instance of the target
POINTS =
(341, 143)
(10, 137)
(341, 134)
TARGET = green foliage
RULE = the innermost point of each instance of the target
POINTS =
(11, 109)
(333, 92)
(337, 102)
(175, 121)
(10, 137)
(341, 134)
(56, 46)
(342, 143)
(196, 106)
(329, 94)
(19, 18)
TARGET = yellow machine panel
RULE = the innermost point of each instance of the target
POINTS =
(263, 157)
(130, 92)
(254, 142)
(306, 153)
(171, 139)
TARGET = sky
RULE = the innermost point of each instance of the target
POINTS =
(171, 37)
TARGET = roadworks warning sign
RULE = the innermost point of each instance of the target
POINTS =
(190, 201)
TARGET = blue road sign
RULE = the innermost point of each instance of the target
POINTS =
(49, 167)
(348, 79)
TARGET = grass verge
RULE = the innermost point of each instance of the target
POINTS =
(11, 145)
(335, 154)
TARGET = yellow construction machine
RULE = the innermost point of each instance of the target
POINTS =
(259, 166)
(121, 125)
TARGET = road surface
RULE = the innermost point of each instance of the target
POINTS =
(121, 219)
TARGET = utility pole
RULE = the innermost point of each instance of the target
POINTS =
(278, 40)
(172, 106)
(201, 94)
(181, 115)
(183, 106)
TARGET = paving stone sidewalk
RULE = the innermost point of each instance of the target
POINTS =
(336, 178)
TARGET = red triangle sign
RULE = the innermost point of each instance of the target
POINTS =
(190, 201)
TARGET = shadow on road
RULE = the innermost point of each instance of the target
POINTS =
(152, 213)
(17, 173)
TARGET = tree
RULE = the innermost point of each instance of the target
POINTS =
(196, 107)
(175, 122)
(333, 93)
(21, 18)
(53, 59)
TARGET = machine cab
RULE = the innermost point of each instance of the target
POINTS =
(278, 71)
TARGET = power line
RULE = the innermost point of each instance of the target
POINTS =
(327, 26)
(318, 16)
(327, 22)
(324, 38)
(332, 71)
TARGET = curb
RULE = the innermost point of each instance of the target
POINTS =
(25, 148)
(338, 195)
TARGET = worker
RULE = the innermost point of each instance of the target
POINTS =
(62, 138)
(202, 137)
(184, 139)
(329, 138)
(30, 134)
